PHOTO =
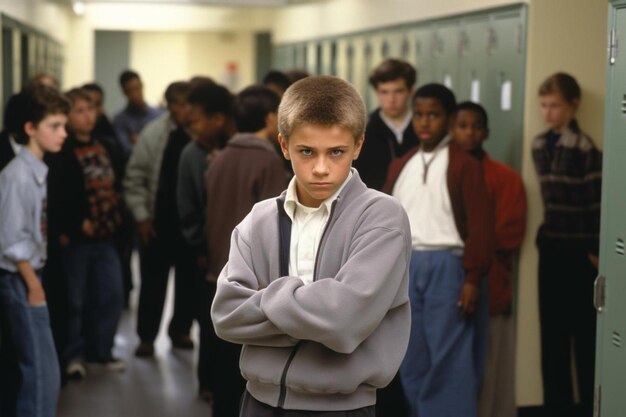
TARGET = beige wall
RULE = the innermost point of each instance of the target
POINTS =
(163, 57)
(571, 36)
(335, 17)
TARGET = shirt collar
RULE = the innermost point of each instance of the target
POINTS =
(399, 131)
(291, 198)
(37, 166)
(14, 145)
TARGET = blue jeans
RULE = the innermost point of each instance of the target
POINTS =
(441, 370)
(29, 330)
(95, 300)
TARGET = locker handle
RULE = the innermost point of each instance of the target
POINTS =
(599, 294)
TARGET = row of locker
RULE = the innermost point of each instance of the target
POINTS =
(26, 52)
(480, 56)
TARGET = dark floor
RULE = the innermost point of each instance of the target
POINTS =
(162, 386)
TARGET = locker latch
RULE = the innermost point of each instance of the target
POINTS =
(599, 294)
(612, 46)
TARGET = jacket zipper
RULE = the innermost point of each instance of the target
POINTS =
(283, 379)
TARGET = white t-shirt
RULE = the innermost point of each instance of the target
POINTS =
(427, 203)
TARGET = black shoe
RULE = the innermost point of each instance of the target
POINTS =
(144, 350)
(182, 342)
(206, 394)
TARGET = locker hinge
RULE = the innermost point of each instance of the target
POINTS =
(612, 46)
(599, 293)
(597, 396)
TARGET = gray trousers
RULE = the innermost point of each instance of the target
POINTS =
(497, 395)
(250, 407)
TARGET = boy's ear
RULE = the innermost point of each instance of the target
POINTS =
(29, 128)
(283, 146)
(359, 146)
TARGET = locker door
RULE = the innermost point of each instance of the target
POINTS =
(504, 84)
(356, 57)
(311, 57)
(392, 44)
(423, 54)
(371, 58)
(473, 60)
(610, 351)
(445, 44)
(343, 66)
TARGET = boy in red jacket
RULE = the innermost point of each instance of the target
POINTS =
(469, 130)
(443, 191)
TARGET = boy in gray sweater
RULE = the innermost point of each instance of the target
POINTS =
(315, 288)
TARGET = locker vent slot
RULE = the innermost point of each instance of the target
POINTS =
(385, 49)
(617, 339)
(624, 105)
(619, 247)
(405, 47)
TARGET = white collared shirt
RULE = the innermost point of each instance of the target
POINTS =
(307, 227)
(14, 145)
(398, 131)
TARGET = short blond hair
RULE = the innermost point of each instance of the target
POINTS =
(322, 101)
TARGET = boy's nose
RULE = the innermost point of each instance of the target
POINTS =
(321, 166)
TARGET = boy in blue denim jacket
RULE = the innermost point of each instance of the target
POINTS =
(23, 251)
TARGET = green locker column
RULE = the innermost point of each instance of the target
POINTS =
(278, 59)
(504, 84)
(311, 51)
(610, 377)
(358, 65)
(472, 59)
(421, 54)
(343, 64)
(393, 44)
(445, 49)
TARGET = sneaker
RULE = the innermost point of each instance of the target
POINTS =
(182, 342)
(115, 365)
(75, 370)
(112, 365)
(144, 350)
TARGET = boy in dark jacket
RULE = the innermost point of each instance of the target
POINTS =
(388, 134)
(84, 217)
(248, 170)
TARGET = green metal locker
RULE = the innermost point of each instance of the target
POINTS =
(610, 292)
(472, 59)
(444, 50)
(422, 58)
(504, 84)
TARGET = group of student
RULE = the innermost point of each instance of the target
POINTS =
(372, 275)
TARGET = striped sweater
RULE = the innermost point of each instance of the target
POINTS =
(570, 176)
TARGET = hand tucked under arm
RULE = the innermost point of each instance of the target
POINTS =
(236, 311)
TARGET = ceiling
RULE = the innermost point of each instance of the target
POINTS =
(255, 3)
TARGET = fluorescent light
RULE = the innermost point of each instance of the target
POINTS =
(79, 7)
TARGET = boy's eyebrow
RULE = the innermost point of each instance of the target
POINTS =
(313, 147)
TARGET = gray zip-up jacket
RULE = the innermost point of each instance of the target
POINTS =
(330, 344)
(144, 167)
